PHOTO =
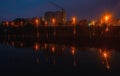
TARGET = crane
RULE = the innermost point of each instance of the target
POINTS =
(56, 5)
(62, 10)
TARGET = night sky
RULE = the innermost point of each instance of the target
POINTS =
(90, 9)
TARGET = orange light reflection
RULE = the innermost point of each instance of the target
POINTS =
(53, 49)
(74, 20)
(73, 50)
(107, 29)
(53, 21)
(105, 55)
(45, 45)
(36, 47)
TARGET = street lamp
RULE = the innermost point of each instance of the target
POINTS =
(74, 20)
(53, 21)
(37, 22)
(107, 18)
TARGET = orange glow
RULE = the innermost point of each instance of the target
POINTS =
(101, 22)
(108, 67)
(45, 45)
(107, 29)
(7, 23)
(100, 50)
(36, 47)
(21, 23)
(73, 50)
(37, 22)
(74, 31)
(106, 18)
(53, 49)
(12, 23)
(53, 21)
(93, 23)
(74, 20)
(46, 23)
(105, 54)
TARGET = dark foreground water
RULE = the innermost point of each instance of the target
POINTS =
(53, 59)
(76, 51)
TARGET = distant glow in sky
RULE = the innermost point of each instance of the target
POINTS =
(10, 9)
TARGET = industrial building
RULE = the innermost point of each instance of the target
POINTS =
(55, 17)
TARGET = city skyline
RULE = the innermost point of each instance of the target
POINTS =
(82, 9)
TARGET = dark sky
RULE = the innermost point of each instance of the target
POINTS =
(90, 9)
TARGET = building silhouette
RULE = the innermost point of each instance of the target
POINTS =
(58, 16)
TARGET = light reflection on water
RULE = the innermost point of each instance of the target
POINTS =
(58, 56)
(105, 54)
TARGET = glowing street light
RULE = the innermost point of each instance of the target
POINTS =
(53, 21)
(107, 17)
(93, 23)
(74, 20)
(37, 22)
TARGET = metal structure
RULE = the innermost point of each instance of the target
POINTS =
(61, 9)
(56, 5)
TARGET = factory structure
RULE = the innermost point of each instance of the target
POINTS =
(55, 17)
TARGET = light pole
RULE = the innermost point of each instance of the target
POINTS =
(107, 19)
(37, 23)
(54, 24)
(74, 21)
